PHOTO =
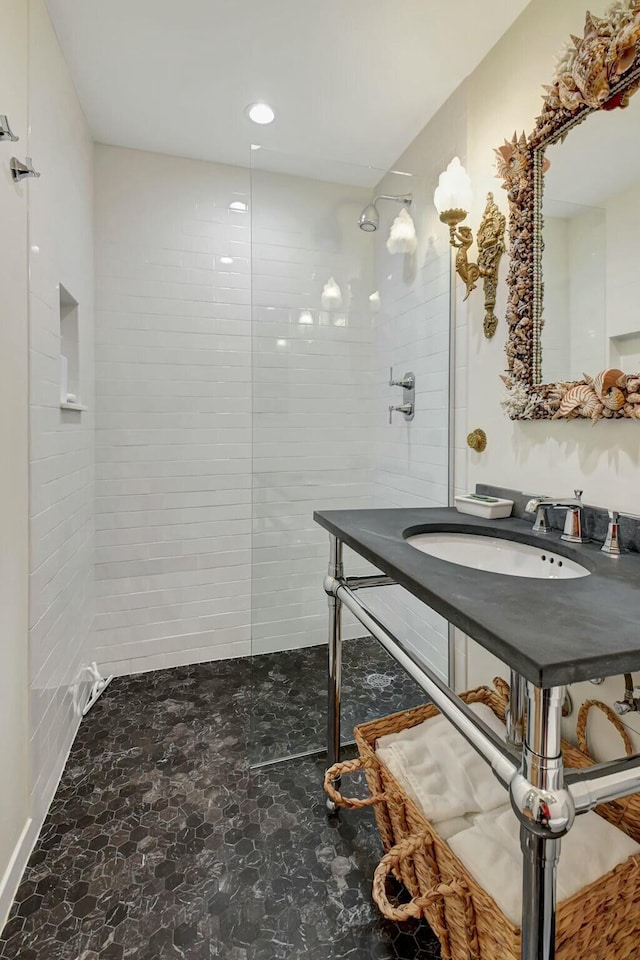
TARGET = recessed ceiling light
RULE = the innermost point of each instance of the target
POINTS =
(226, 259)
(260, 113)
(256, 146)
(238, 205)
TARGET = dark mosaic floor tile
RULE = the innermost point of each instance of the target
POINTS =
(163, 843)
(289, 696)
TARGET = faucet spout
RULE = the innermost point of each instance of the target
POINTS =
(574, 523)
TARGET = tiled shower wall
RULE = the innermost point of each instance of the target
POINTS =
(61, 442)
(173, 447)
(175, 362)
(312, 383)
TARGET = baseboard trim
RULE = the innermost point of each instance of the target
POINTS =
(30, 832)
(16, 867)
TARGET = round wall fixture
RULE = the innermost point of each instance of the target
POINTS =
(260, 113)
(477, 440)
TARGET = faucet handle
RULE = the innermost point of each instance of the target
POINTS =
(405, 408)
(578, 495)
(611, 546)
(408, 382)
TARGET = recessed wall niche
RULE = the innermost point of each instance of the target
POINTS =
(70, 384)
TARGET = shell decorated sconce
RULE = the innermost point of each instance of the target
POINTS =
(599, 70)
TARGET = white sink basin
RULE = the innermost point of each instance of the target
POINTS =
(494, 555)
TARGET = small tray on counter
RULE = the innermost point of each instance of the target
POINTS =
(491, 508)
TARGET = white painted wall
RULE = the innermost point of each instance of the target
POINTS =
(587, 296)
(622, 283)
(542, 456)
(14, 741)
(556, 334)
(312, 395)
(47, 478)
(173, 456)
(61, 443)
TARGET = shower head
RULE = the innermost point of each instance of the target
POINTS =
(369, 219)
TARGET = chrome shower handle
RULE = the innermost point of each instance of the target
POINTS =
(408, 382)
(6, 133)
(20, 171)
(406, 408)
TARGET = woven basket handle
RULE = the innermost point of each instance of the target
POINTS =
(350, 803)
(503, 688)
(581, 726)
(404, 851)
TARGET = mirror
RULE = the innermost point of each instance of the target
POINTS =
(573, 311)
(591, 216)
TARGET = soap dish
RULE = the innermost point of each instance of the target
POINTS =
(491, 508)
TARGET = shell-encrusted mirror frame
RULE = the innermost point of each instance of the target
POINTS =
(599, 71)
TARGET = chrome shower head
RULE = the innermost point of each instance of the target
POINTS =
(369, 219)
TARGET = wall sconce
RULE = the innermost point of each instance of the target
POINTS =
(453, 199)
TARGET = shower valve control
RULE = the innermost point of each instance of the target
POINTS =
(405, 408)
(408, 405)
(408, 382)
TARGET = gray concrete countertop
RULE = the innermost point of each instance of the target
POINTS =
(553, 632)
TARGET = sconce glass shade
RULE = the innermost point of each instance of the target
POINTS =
(402, 236)
(331, 295)
(454, 189)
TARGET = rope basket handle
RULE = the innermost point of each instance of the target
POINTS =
(581, 726)
(403, 851)
(503, 688)
(349, 803)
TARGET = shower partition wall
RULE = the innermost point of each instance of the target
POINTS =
(318, 397)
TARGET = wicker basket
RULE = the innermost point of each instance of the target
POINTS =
(466, 920)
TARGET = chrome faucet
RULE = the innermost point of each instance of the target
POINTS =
(612, 546)
(574, 523)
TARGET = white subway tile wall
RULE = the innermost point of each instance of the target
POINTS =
(413, 335)
(61, 442)
(241, 373)
(173, 385)
(313, 419)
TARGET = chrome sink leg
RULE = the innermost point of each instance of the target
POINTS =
(335, 573)
(516, 711)
(546, 813)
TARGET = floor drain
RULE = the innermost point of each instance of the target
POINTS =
(379, 681)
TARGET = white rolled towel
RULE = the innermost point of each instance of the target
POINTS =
(440, 771)
(490, 850)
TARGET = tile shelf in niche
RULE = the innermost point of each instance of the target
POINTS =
(64, 405)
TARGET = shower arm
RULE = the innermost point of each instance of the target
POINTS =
(407, 198)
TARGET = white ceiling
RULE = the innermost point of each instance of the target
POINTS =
(352, 80)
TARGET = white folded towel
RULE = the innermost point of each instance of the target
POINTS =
(490, 850)
(449, 828)
(440, 771)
